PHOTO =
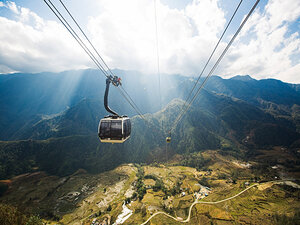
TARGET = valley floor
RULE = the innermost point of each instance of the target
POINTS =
(228, 191)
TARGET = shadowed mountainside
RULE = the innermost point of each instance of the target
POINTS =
(63, 143)
(51, 119)
(27, 98)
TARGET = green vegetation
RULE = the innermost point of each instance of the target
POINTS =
(177, 198)
(234, 119)
(61, 156)
(34, 220)
(3, 188)
(262, 172)
(150, 176)
(204, 182)
(10, 215)
(234, 127)
(195, 160)
(159, 185)
(287, 220)
(108, 208)
(140, 186)
(176, 189)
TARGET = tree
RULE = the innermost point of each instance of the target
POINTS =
(204, 182)
(134, 195)
(3, 188)
(158, 185)
(127, 200)
(34, 220)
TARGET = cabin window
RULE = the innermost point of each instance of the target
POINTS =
(105, 129)
(116, 129)
(126, 128)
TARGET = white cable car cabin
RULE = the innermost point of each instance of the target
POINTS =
(114, 129)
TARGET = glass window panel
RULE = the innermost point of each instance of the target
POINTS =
(105, 129)
(116, 129)
(129, 127)
(125, 128)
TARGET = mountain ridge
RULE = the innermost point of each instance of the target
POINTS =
(225, 116)
(199, 130)
(54, 93)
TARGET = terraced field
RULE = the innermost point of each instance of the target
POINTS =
(163, 193)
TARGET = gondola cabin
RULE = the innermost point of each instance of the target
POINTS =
(114, 129)
(168, 139)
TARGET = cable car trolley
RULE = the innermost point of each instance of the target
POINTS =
(113, 128)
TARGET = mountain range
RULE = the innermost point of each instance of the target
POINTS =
(48, 121)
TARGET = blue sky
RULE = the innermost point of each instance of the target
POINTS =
(33, 40)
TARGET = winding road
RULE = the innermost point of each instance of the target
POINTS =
(200, 202)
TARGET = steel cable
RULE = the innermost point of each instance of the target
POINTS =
(211, 55)
(90, 54)
(215, 65)
(75, 36)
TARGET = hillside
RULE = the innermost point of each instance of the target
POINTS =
(23, 97)
(48, 133)
(226, 115)
(26, 98)
(154, 191)
(213, 122)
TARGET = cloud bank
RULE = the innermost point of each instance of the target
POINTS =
(124, 34)
(28, 43)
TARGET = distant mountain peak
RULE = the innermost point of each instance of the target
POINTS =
(175, 104)
(242, 78)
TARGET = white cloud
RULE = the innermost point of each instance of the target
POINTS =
(13, 7)
(269, 53)
(32, 44)
(124, 34)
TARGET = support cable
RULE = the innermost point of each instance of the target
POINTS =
(86, 37)
(211, 55)
(153, 125)
(90, 54)
(128, 98)
(157, 54)
(75, 36)
(215, 65)
(158, 72)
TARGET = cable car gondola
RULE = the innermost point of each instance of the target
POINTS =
(168, 139)
(113, 128)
